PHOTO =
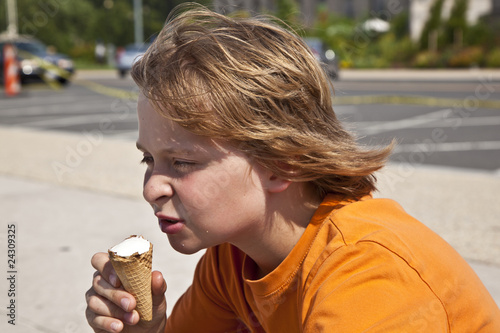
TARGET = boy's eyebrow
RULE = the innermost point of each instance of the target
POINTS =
(166, 150)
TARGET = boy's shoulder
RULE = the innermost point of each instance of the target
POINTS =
(363, 219)
(373, 225)
(374, 219)
(371, 229)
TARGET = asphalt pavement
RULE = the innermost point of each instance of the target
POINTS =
(65, 196)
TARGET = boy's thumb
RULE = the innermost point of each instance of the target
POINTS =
(158, 287)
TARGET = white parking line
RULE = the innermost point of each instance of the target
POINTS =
(447, 146)
(478, 121)
(448, 122)
(381, 127)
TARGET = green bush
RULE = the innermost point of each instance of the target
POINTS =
(467, 57)
(493, 58)
(83, 51)
(370, 61)
(480, 34)
(445, 56)
(426, 59)
(404, 50)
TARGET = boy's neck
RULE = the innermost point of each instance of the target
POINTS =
(289, 214)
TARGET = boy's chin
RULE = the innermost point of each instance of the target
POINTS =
(184, 247)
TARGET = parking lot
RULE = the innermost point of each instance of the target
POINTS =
(448, 120)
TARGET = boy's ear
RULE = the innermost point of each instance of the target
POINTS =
(276, 184)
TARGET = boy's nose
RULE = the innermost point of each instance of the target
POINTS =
(157, 187)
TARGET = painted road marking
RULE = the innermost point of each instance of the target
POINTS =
(382, 127)
(470, 101)
(447, 146)
(448, 122)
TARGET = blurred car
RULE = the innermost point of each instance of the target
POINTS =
(38, 61)
(325, 56)
(126, 57)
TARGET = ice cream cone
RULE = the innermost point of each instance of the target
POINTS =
(134, 271)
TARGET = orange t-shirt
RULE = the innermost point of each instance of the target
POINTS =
(366, 266)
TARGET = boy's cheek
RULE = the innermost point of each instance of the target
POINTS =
(199, 201)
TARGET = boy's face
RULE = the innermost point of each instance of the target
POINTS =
(204, 192)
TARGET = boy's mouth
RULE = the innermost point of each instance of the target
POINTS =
(167, 218)
(168, 224)
(170, 227)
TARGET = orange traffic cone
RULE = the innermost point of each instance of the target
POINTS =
(12, 80)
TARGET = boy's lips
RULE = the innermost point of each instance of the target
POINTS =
(169, 225)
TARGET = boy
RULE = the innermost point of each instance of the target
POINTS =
(245, 158)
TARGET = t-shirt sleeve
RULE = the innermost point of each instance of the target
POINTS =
(365, 287)
(203, 308)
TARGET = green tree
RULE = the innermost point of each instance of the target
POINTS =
(61, 24)
(287, 11)
(456, 27)
(400, 25)
(432, 24)
(3, 16)
(114, 25)
(70, 25)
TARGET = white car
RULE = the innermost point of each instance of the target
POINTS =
(126, 57)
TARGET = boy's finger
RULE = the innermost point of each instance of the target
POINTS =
(117, 296)
(158, 284)
(100, 261)
(158, 288)
(102, 323)
(103, 307)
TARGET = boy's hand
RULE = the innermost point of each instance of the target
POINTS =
(111, 309)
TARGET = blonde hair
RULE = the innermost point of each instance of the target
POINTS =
(257, 85)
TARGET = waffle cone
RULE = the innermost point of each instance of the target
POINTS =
(134, 272)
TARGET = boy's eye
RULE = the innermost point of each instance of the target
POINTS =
(147, 160)
(181, 164)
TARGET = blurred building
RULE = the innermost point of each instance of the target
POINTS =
(496, 7)
(494, 17)
(363, 8)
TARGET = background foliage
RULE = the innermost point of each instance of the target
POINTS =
(75, 26)
(444, 43)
